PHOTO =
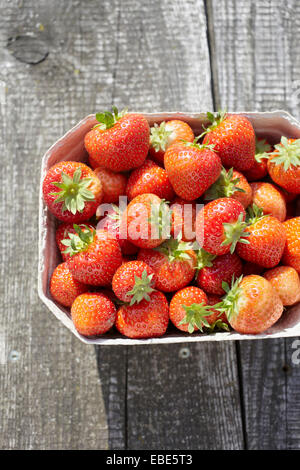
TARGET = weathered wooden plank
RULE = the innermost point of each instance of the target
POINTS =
(256, 66)
(50, 393)
(174, 402)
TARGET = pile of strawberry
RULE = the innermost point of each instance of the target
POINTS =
(138, 252)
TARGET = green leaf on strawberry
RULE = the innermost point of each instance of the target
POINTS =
(204, 259)
(225, 186)
(79, 241)
(108, 119)
(159, 136)
(262, 149)
(234, 232)
(196, 316)
(142, 288)
(175, 249)
(286, 153)
(229, 303)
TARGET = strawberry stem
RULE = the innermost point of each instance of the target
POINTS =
(175, 249)
(108, 119)
(196, 316)
(142, 288)
(79, 241)
(159, 137)
(234, 233)
(286, 153)
(229, 303)
(225, 186)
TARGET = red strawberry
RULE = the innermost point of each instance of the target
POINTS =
(259, 169)
(173, 263)
(220, 225)
(183, 219)
(113, 184)
(269, 199)
(146, 221)
(233, 138)
(266, 240)
(217, 320)
(133, 282)
(213, 271)
(291, 254)
(168, 133)
(149, 178)
(232, 184)
(62, 233)
(251, 305)
(94, 256)
(120, 142)
(286, 282)
(188, 309)
(72, 191)
(93, 314)
(284, 165)
(64, 288)
(147, 319)
(192, 168)
(112, 224)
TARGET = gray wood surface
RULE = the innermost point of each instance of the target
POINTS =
(59, 62)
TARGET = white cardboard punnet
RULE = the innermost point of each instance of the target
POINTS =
(271, 125)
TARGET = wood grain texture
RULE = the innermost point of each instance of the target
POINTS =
(256, 66)
(173, 403)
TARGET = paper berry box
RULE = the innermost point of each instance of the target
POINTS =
(270, 125)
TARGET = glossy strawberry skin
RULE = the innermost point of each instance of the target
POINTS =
(62, 233)
(147, 319)
(286, 282)
(180, 131)
(223, 267)
(289, 179)
(187, 296)
(124, 278)
(291, 254)
(69, 168)
(259, 306)
(234, 141)
(113, 227)
(98, 263)
(170, 275)
(122, 147)
(267, 196)
(113, 184)
(191, 170)
(183, 219)
(209, 224)
(258, 171)
(266, 242)
(149, 178)
(93, 314)
(64, 288)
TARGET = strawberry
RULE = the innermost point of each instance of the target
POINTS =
(173, 263)
(291, 254)
(149, 178)
(259, 169)
(64, 288)
(192, 168)
(183, 215)
(286, 282)
(269, 199)
(220, 224)
(167, 133)
(232, 184)
(62, 233)
(251, 304)
(146, 319)
(93, 314)
(213, 271)
(72, 191)
(284, 165)
(113, 184)
(188, 309)
(146, 221)
(266, 239)
(233, 138)
(120, 142)
(217, 320)
(94, 256)
(133, 282)
(112, 224)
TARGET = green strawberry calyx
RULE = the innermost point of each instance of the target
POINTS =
(229, 303)
(262, 149)
(142, 288)
(108, 119)
(79, 241)
(198, 146)
(74, 192)
(286, 153)
(196, 316)
(254, 214)
(204, 259)
(218, 325)
(225, 186)
(160, 219)
(215, 120)
(159, 137)
(175, 249)
(234, 232)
